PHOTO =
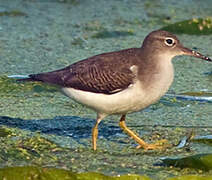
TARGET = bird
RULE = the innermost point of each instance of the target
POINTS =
(121, 82)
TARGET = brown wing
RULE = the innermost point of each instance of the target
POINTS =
(106, 73)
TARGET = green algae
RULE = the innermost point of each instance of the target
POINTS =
(92, 26)
(36, 145)
(123, 22)
(112, 34)
(200, 161)
(17, 147)
(191, 178)
(4, 132)
(32, 149)
(78, 41)
(132, 177)
(13, 13)
(207, 139)
(12, 87)
(35, 173)
(72, 2)
(38, 173)
(196, 26)
(201, 93)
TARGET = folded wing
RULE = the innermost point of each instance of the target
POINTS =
(107, 73)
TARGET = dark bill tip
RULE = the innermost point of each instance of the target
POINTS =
(196, 54)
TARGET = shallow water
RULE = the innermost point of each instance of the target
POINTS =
(47, 35)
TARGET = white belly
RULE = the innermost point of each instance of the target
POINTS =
(123, 102)
(130, 100)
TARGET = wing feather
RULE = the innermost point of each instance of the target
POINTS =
(106, 73)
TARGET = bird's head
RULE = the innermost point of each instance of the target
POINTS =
(168, 45)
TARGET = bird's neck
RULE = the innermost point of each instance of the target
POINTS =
(157, 72)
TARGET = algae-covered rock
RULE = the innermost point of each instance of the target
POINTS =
(35, 173)
(191, 178)
(196, 26)
(91, 175)
(200, 161)
(132, 177)
(98, 176)
(38, 173)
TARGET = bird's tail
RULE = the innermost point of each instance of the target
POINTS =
(21, 78)
(54, 77)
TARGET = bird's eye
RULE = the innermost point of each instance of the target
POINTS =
(169, 41)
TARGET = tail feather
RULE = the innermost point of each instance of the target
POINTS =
(18, 76)
(23, 78)
(55, 77)
(26, 79)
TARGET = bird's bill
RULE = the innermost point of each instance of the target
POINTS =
(189, 52)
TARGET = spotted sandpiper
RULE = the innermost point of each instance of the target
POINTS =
(121, 82)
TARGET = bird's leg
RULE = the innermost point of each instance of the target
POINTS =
(141, 143)
(95, 132)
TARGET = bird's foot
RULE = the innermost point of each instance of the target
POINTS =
(158, 145)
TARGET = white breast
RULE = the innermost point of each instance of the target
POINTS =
(162, 80)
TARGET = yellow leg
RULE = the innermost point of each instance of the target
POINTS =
(95, 132)
(94, 136)
(141, 143)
